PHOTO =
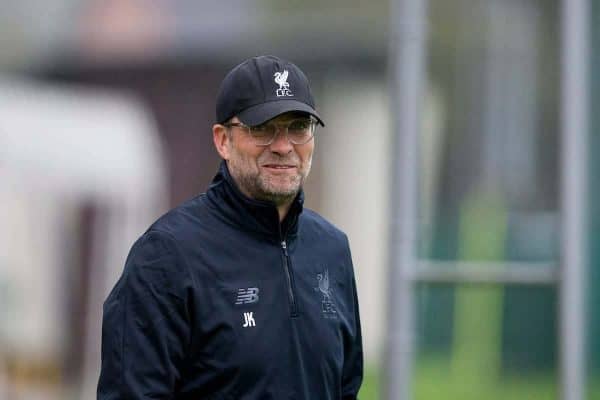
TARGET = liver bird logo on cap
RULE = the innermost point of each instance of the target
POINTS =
(284, 86)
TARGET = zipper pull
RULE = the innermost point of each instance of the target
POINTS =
(284, 247)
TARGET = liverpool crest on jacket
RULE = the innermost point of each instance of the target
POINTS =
(327, 305)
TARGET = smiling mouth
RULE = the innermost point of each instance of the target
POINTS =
(277, 166)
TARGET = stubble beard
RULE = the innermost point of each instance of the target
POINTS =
(263, 187)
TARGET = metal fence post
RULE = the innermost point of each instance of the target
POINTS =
(574, 132)
(407, 66)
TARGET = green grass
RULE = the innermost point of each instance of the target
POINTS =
(370, 389)
(436, 380)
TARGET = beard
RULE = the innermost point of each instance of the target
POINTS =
(260, 185)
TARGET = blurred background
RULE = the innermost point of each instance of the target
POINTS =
(105, 116)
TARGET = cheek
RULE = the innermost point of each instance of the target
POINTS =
(246, 156)
(306, 156)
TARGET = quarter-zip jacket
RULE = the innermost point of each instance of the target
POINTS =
(219, 300)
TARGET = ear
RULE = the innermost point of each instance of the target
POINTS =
(222, 140)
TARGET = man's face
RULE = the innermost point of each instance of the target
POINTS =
(275, 172)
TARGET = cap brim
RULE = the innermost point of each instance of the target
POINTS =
(261, 113)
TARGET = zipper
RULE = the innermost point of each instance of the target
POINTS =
(289, 279)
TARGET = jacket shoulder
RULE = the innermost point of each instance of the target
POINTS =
(317, 224)
(182, 220)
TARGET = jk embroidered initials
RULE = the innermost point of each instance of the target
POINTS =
(248, 320)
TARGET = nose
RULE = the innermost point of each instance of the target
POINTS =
(281, 144)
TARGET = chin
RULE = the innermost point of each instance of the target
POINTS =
(283, 192)
(279, 194)
(282, 186)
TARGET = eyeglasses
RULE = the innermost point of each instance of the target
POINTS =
(299, 131)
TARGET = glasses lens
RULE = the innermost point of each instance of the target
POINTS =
(263, 134)
(301, 131)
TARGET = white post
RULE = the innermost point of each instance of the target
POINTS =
(407, 49)
(574, 133)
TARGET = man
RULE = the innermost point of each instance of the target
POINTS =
(240, 293)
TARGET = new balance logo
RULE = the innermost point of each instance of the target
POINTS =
(248, 320)
(247, 296)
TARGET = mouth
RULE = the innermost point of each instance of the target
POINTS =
(279, 167)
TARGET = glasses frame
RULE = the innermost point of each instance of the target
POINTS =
(279, 127)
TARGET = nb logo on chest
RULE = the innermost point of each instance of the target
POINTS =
(247, 296)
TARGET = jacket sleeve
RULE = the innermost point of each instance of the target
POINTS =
(352, 374)
(145, 327)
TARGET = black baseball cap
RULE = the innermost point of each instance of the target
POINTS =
(262, 88)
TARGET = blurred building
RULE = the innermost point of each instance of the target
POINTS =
(82, 172)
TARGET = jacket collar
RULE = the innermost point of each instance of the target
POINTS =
(250, 214)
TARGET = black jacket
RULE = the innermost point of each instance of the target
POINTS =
(218, 300)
